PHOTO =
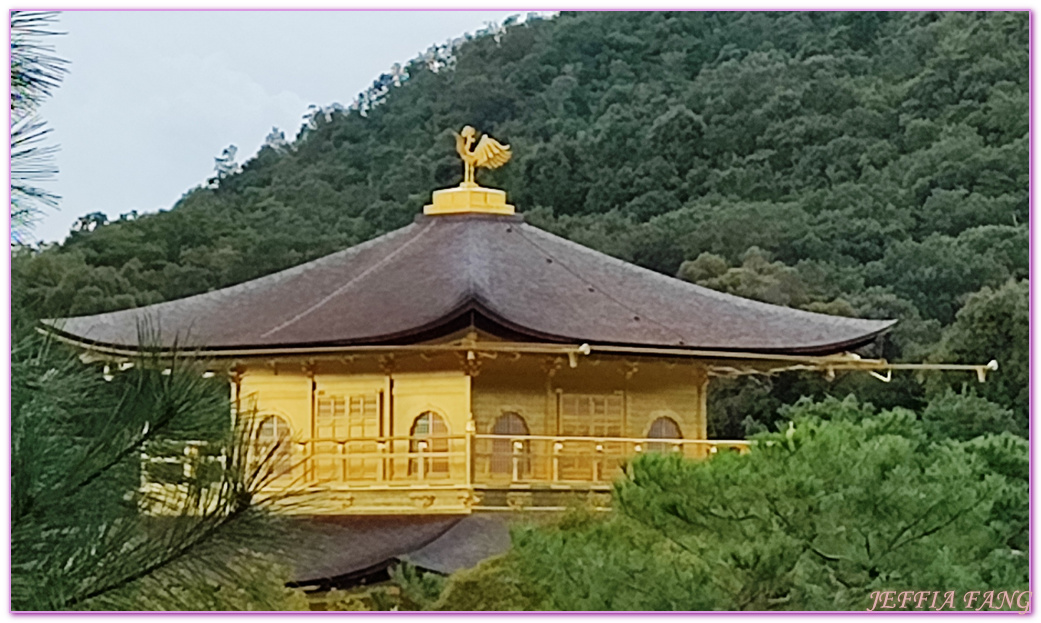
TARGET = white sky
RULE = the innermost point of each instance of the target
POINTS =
(152, 97)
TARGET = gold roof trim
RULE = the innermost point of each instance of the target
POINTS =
(740, 363)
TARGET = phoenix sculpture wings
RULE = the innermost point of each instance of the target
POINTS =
(489, 153)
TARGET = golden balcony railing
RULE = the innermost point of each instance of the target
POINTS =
(451, 462)
(563, 460)
(430, 460)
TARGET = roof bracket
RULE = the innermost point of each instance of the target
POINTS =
(981, 372)
(884, 378)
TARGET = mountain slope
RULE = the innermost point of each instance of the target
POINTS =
(869, 164)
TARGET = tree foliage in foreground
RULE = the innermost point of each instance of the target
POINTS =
(35, 73)
(993, 323)
(844, 502)
(83, 536)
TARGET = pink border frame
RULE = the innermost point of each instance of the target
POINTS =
(1031, 390)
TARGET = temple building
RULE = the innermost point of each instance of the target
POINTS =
(471, 361)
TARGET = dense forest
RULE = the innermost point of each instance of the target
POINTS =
(864, 164)
(869, 164)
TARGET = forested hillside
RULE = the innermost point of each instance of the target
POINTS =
(865, 164)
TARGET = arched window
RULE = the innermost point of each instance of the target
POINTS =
(429, 438)
(664, 428)
(510, 456)
(274, 442)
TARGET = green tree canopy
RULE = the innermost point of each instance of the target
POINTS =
(843, 501)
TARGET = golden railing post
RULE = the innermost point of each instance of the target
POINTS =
(598, 467)
(422, 446)
(190, 455)
(301, 447)
(557, 447)
(314, 463)
(143, 472)
(471, 428)
(343, 461)
(381, 460)
(517, 447)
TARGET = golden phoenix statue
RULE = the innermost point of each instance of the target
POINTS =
(489, 153)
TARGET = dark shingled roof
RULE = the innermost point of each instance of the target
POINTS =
(465, 544)
(324, 548)
(407, 284)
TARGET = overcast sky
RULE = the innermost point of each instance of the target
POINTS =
(152, 97)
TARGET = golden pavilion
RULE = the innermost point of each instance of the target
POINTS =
(471, 361)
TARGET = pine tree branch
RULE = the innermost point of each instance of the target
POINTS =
(178, 554)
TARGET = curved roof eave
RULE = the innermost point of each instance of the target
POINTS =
(414, 283)
(431, 332)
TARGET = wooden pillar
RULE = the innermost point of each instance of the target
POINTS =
(701, 381)
(549, 466)
(236, 390)
(628, 370)
(551, 426)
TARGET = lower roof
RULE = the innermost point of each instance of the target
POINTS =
(328, 547)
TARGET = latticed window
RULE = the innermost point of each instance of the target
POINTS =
(347, 417)
(429, 436)
(591, 415)
(274, 440)
(510, 456)
(346, 432)
(663, 428)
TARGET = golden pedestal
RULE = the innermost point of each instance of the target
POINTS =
(469, 199)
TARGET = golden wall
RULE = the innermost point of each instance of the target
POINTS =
(582, 408)
(540, 390)
(412, 433)
(377, 422)
(400, 391)
(537, 389)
